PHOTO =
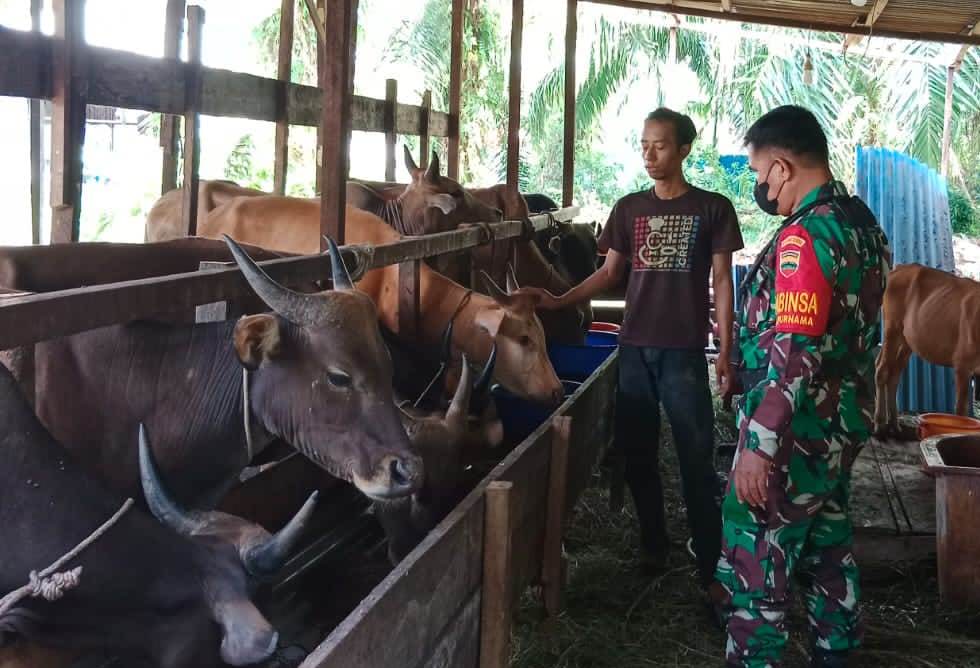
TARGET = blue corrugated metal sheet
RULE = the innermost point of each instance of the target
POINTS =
(911, 203)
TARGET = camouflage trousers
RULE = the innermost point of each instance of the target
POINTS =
(804, 533)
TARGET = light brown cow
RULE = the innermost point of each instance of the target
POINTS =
(164, 221)
(935, 315)
(507, 319)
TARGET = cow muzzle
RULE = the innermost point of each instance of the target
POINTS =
(394, 476)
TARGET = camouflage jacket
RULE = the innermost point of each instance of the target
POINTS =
(810, 322)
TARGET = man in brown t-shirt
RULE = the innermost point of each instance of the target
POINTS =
(671, 236)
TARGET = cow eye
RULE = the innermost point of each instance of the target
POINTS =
(338, 378)
(525, 340)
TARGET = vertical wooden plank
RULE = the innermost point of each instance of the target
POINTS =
(409, 292)
(455, 89)
(170, 124)
(285, 66)
(947, 120)
(424, 129)
(338, 91)
(319, 20)
(568, 156)
(192, 120)
(391, 137)
(497, 604)
(551, 562)
(514, 115)
(67, 119)
(35, 130)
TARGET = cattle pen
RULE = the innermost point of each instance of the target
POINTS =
(451, 601)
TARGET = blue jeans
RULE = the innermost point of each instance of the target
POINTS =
(678, 379)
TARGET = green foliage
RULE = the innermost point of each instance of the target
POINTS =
(962, 213)
(239, 167)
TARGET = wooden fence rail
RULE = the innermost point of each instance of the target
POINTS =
(42, 316)
(122, 79)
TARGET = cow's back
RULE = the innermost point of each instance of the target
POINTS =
(165, 222)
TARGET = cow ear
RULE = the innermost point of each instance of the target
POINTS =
(443, 202)
(489, 320)
(257, 338)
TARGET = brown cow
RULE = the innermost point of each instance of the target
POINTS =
(292, 225)
(933, 314)
(164, 220)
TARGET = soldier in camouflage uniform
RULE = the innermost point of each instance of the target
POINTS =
(807, 329)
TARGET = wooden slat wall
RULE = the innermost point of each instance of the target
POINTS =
(121, 79)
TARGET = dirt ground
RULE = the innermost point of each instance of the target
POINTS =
(614, 617)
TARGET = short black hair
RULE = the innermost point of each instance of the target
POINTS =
(792, 128)
(683, 125)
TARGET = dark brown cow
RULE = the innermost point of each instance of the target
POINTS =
(157, 598)
(933, 314)
(317, 374)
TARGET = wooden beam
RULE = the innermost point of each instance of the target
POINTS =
(726, 5)
(568, 154)
(35, 131)
(192, 120)
(757, 16)
(283, 73)
(961, 54)
(876, 10)
(551, 562)
(318, 16)
(391, 137)
(514, 113)
(69, 98)
(424, 118)
(498, 575)
(170, 124)
(455, 89)
(337, 85)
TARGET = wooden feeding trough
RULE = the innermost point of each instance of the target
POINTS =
(954, 459)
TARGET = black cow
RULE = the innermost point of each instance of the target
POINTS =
(156, 597)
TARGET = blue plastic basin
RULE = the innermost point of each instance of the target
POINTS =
(578, 362)
(519, 416)
(602, 338)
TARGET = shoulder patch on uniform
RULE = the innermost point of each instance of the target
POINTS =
(802, 290)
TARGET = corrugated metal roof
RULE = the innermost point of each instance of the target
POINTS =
(911, 203)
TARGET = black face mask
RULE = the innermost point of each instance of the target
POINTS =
(761, 193)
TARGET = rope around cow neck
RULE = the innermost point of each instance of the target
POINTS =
(247, 416)
(50, 585)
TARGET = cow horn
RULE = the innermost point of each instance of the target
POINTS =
(481, 388)
(457, 411)
(268, 557)
(494, 290)
(163, 507)
(432, 172)
(447, 342)
(445, 354)
(512, 284)
(296, 307)
(341, 278)
(410, 161)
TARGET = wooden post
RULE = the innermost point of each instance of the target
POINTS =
(338, 91)
(424, 128)
(170, 124)
(947, 120)
(409, 305)
(568, 156)
(455, 89)
(551, 562)
(69, 94)
(319, 20)
(192, 120)
(283, 73)
(514, 118)
(498, 574)
(35, 121)
(391, 137)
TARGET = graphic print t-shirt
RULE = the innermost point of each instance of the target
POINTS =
(670, 243)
